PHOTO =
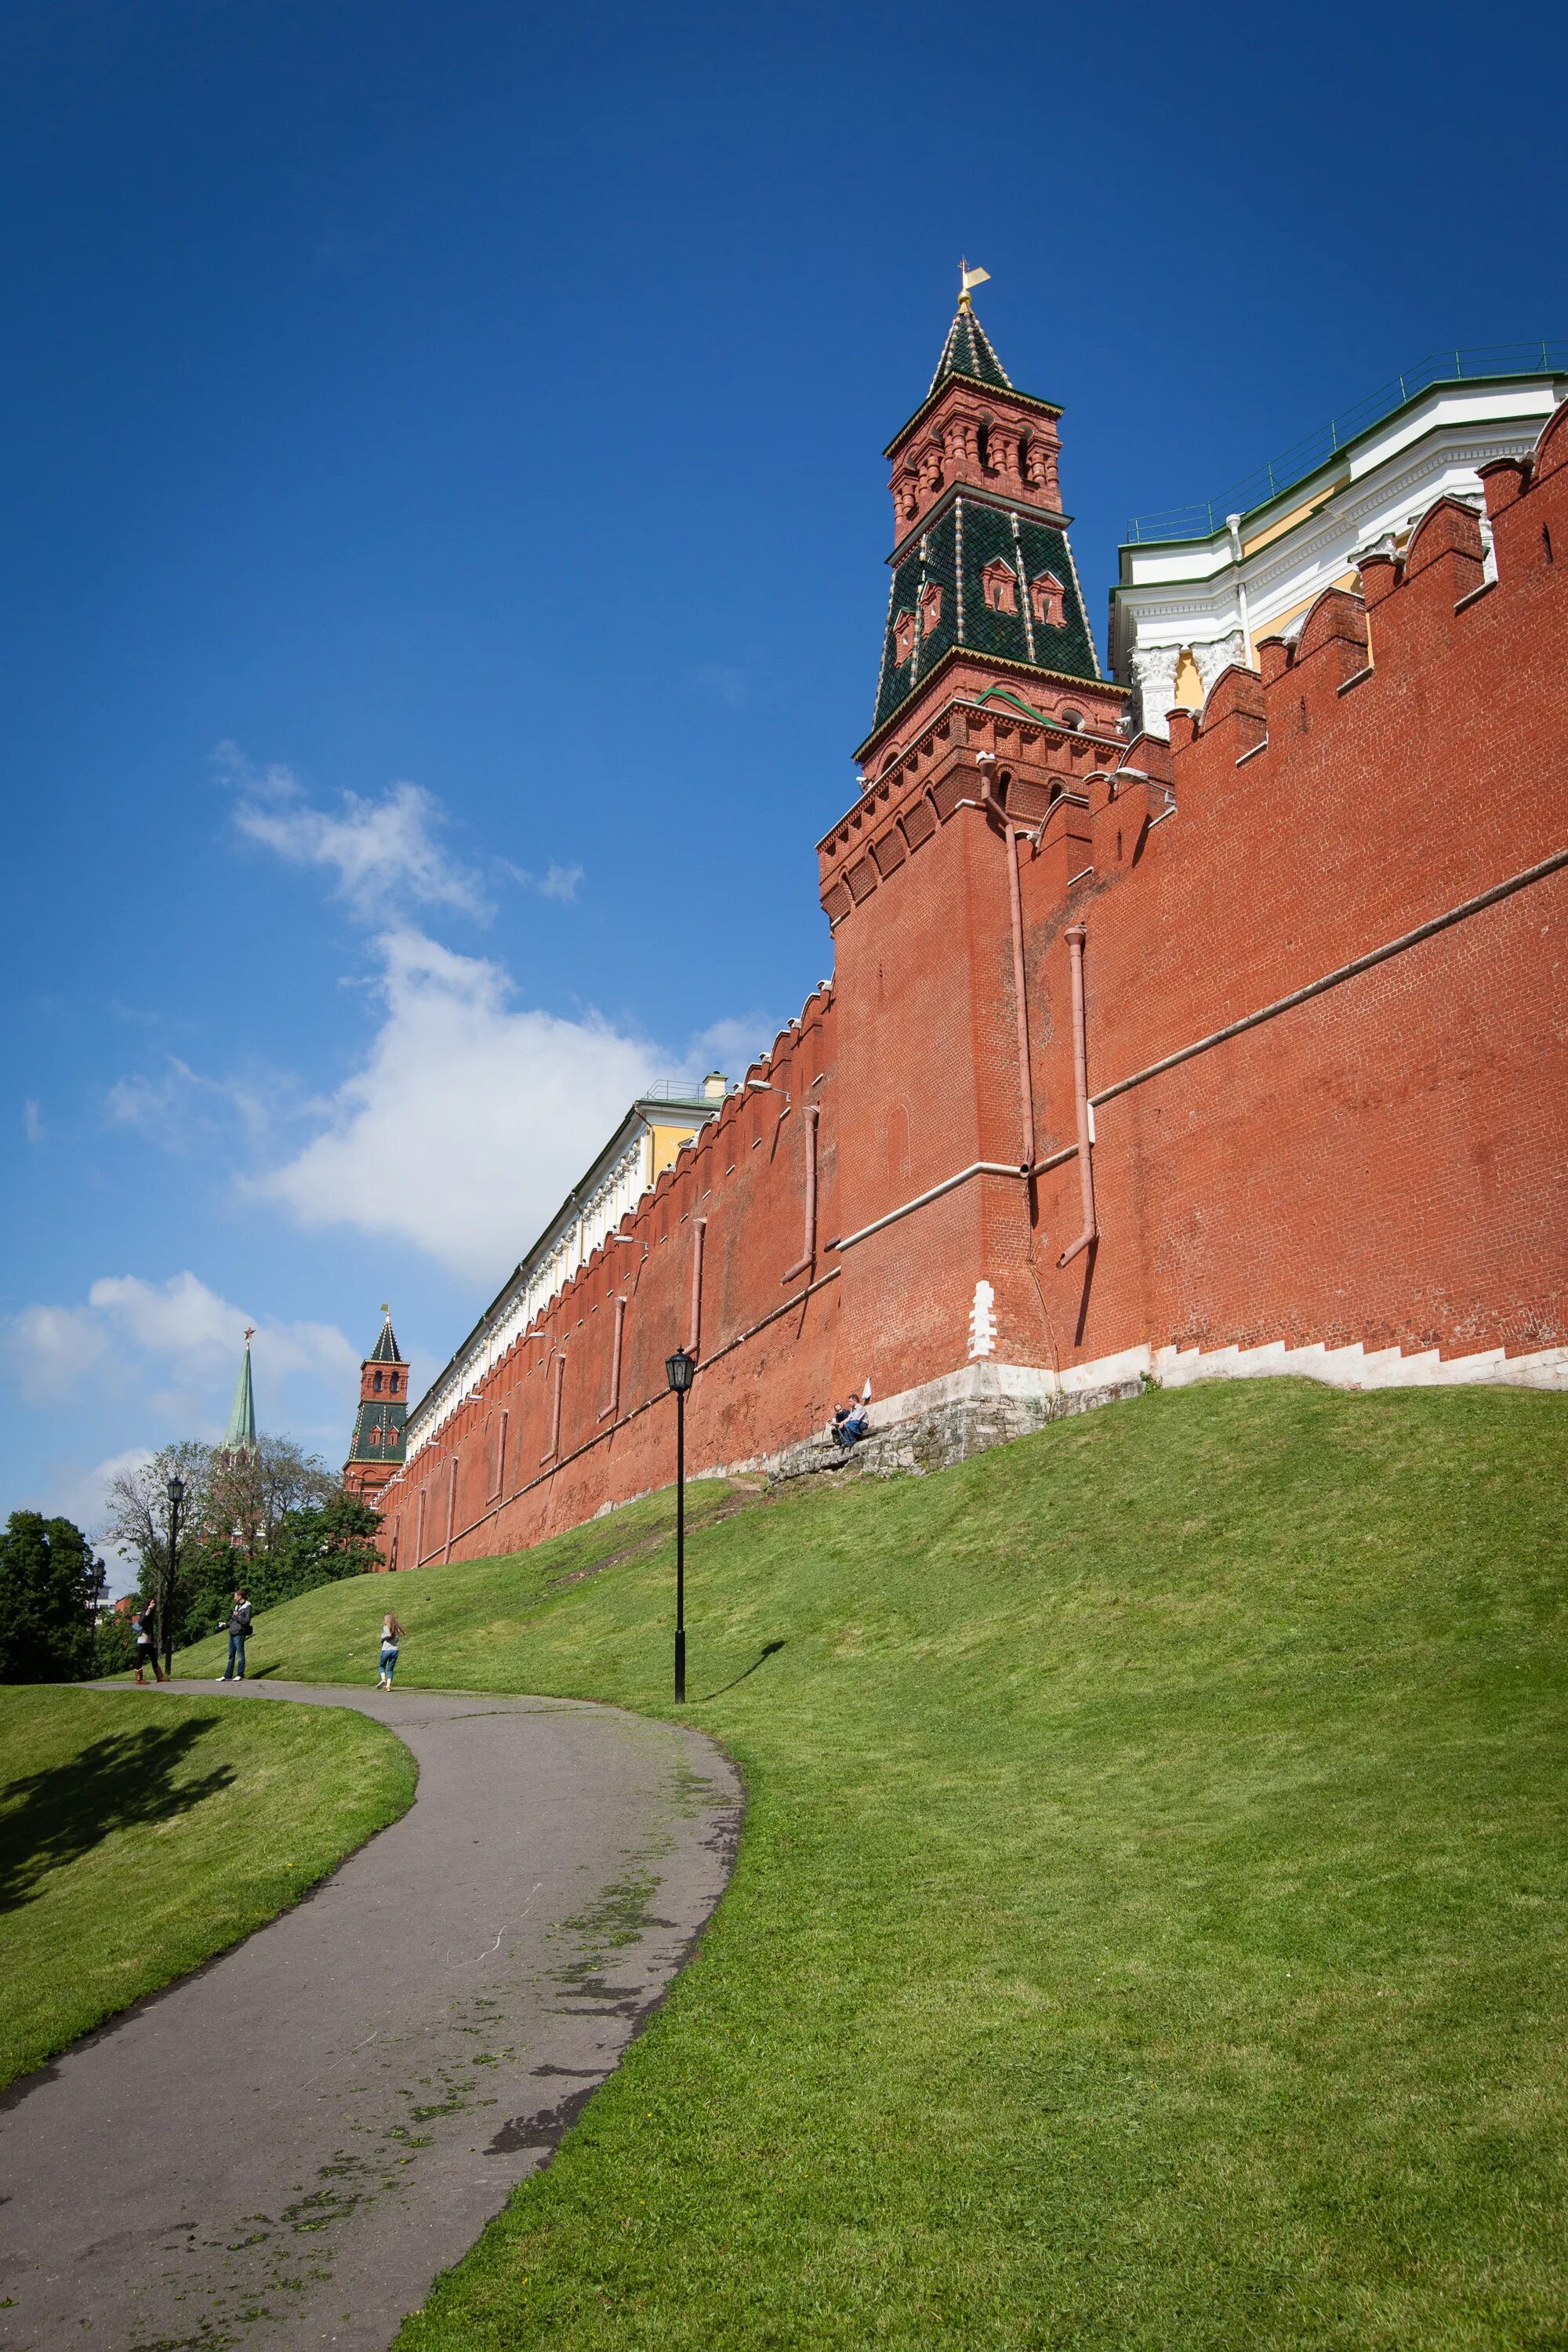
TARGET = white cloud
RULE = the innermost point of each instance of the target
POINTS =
(733, 1045)
(555, 882)
(179, 1104)
(180, 1327)
(383, 853)
(469, 1120)
(72, 1492)
(52, 1347)
(32, 1122)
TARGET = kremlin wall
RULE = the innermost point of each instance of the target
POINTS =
(1238, 1047)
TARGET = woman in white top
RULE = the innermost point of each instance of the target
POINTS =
(391, 1640)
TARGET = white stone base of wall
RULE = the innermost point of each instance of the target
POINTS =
(947, 1419)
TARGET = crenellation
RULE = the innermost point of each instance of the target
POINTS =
(1328, 1082)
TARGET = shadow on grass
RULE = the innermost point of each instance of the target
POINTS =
(125, 1780)
(767, 1651)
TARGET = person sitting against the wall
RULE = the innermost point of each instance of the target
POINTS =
(849, 1423)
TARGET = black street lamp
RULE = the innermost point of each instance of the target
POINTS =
(679, 1369)
(176, 1493)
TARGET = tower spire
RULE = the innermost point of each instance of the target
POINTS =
(968, 350)
(240, 1437)
(379, 1444)
(985, 596)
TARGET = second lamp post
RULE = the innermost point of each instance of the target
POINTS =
(679, 1369)
(176, 1491)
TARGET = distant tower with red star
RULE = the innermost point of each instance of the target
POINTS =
(379, 1444)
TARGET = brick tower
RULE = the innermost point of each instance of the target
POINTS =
(991, 713)
(379, 1440)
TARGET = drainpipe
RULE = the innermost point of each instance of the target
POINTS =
(1232, 525)
(555, 1410)
(694, 1320)
(1091, 1233)
(1025, 1076)
(808, 1257)
(615, 1404)
(1020, 995)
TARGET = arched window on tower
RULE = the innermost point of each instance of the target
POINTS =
(1000, 584)
(392, 1383)
(377, 1383)
(1048, 596)
(1187, 691)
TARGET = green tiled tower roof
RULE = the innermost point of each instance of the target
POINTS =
(380, 1432)
(385, 1348)
(240, 1437)
(972, 530)
(967, 352)
(381, 1423)
(965, 541)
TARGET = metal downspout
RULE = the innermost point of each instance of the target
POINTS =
(614, 1406)
(1025, 1075)
(694, 1320)
(555, 1409)
(1091, 1233)
(813, 1113)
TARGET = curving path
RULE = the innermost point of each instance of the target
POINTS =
(283, 2150)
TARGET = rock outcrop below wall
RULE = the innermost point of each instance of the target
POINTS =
(1323, 964)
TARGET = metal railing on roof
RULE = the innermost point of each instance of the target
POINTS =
(1495, 363)
(675, 1090)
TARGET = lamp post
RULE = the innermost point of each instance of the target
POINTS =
(176, 1493)
(679, 1369)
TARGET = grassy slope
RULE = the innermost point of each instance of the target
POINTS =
(138, 1836)
(1148, 1930)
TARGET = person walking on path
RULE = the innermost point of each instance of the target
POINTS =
(238, 1634)
(391, 1641)
(145, 1627)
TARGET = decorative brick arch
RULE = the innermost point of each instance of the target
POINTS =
(999, 583)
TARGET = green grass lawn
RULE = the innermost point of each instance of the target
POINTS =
(139, 1835)
(1149, 1927)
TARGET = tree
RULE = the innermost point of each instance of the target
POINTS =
(275, 1522)
(50, 1584)
(138, 1518)
(326, 1541)
(247, 1496)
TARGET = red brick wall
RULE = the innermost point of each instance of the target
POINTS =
(1384, 1162)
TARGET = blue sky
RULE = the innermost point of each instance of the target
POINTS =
(444, 518)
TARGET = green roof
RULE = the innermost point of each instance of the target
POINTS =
(240, 1437)
(967, 352)
(385, 1348)
(954, 553)
(380, 1432)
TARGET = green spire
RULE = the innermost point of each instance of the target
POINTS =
(240, 1437)
(967, 352)
(385, 1348)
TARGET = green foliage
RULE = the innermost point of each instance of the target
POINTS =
(1149, 1919)
(140, 1836)
(49, 1584)
(235, 1522)
(114, 1643)
(317, 1544)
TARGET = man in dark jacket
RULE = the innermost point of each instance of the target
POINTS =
(144, 1625)
(238, 1633)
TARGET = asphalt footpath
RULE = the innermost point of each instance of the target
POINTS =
(285, 2149)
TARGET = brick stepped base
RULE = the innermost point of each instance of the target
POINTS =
(986, 1404)
(1355, 1367)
